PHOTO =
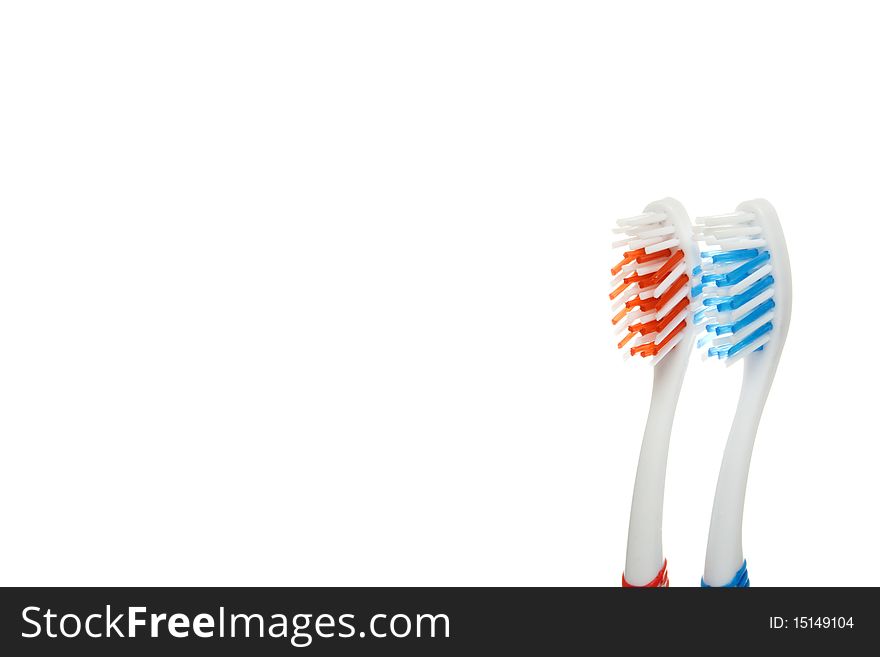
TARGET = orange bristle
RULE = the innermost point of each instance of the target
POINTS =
(628, 257)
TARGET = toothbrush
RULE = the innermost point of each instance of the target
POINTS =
(746, 284)
(651, 304)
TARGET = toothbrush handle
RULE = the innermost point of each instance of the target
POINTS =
(644, 549)
(724, 553)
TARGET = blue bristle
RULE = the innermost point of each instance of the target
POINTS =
(729, 256)
(741, 272)
(752, 291)
(728, 351)
(745, 342)
(761, 309)
(724, 304)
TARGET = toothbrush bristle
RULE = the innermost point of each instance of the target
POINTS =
(737, 287)
(651, 287)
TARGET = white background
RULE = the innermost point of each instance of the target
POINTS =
(315, 293)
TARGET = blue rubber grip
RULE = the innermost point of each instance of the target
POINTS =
(740, 580)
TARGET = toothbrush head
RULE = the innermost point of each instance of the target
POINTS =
(652, 284)
(745, 283)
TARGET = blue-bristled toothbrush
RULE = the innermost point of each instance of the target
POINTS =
(746, 287)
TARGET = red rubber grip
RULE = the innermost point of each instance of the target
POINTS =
(659, 582)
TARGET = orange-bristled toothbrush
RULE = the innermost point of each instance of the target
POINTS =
(652, 310)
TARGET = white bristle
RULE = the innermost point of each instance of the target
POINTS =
(671, 326)
(731, 244)
(742, 230)
(659, 231)
(750, 279)
(669, 305)
(646, 218)
(668, 347)
(659, 246)
(646, 243)
(643, 315)
(751, 326)
(671, 277)
(642, 230)
(757, 344)
(725, 219)
(746, 308)
(649, 268)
